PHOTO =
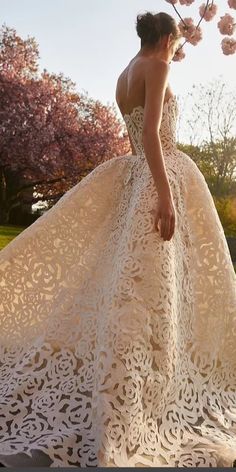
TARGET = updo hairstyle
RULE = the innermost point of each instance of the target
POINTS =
(151, 27)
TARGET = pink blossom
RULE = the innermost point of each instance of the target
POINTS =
(228, 46)
(173, 2)
(196, 36)
(232, 4)
(186, 2)
(186, 25)
(192, 34)
(209, 12)
(179, 55)
(226, 25)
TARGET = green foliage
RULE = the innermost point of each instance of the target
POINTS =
(226, 207)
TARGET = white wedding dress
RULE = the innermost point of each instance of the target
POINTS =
(118, 348)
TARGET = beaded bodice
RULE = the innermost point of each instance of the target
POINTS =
(134, 123)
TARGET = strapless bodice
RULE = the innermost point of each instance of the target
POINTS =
(134, 123)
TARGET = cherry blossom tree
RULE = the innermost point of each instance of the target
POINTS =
(50, 135)
(192, 33)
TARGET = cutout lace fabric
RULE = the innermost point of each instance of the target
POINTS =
(118, 348)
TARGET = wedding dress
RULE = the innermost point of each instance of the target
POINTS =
(118, 348)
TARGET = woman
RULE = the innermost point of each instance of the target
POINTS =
(144, 81)
(118, 305)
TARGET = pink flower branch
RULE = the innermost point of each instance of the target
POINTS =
(193, 34)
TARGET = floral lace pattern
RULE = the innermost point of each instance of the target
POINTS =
(134, 121)
(118, 348)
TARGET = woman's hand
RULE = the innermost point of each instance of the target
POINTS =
(165, 217)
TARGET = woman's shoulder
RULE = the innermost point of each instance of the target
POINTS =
(155, 64)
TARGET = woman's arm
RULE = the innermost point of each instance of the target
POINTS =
(156, 81)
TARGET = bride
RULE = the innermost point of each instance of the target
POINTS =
(118, 305)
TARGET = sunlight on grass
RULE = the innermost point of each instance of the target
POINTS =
(7, 233)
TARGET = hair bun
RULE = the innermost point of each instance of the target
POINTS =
(148, 27)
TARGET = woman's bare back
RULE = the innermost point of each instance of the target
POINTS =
(130, 87)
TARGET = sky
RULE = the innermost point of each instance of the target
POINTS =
(92, 41)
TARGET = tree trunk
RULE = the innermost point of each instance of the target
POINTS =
(4, 209)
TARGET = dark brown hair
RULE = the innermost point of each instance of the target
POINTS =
(151, 27)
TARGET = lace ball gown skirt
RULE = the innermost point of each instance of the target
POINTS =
(118, 348)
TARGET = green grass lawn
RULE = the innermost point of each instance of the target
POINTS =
(7, 233)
